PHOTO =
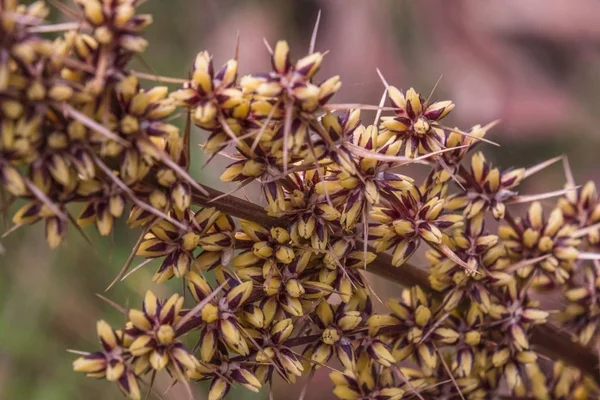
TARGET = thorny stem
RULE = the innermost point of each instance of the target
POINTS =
(548, 339)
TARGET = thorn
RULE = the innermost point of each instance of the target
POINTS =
(171, 386)
(436, 325)
(79, 353)
(387, 86)
(209, 159)
(151, 385)
(263, 127)
(81, 232)
(362, 152)
(491, 125)
(380, 108)
(133, 197)
(318, 363)
(137, 267)
(287, 130)
(455, 177)
(525, 263)
(588, 229)
(91, 124)
(10, 230)
(542, 196)
(261, 350)
(537, 168)
(340, 266)
(354, 106)
(449, 372)
(452, 256)
(145, 64)
(112, 304)
(186, 140)
(66, 10)
(269, 49)
(41, 196)
(319, 172)
(181, 378)
(164, 157)
(399, 373)
(433, 89)
(568, 171)
(312, 372)
(65, 26)
(588, 256)
(219, 197)
(227, 129)
(158, 78)
(313, 39)
(237, 46)
(365, 222)
(463, 133)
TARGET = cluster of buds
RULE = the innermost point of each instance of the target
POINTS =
(416, 124)
(148, 342)
(547, 249)
(76, 125)
(290, 295)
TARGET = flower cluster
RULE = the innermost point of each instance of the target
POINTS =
(289, 294)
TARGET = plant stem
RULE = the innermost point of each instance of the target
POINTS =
(236, 207)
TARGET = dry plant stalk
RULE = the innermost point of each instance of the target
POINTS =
(290, 294)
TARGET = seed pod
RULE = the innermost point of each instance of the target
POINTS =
(350, 320)
(218, 389)
(380, 354)
(321, 354)
(233, 337)
(238, 295)
(281, 57)
(246, 379)
(13, 181)
(181, 196)
(55, 231)
(254, 316)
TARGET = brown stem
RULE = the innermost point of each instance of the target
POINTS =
(547, 339)
(406, 275)
(236, 207)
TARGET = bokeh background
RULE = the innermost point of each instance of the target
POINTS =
(532, 64)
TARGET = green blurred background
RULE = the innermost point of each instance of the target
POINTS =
(531, 64)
